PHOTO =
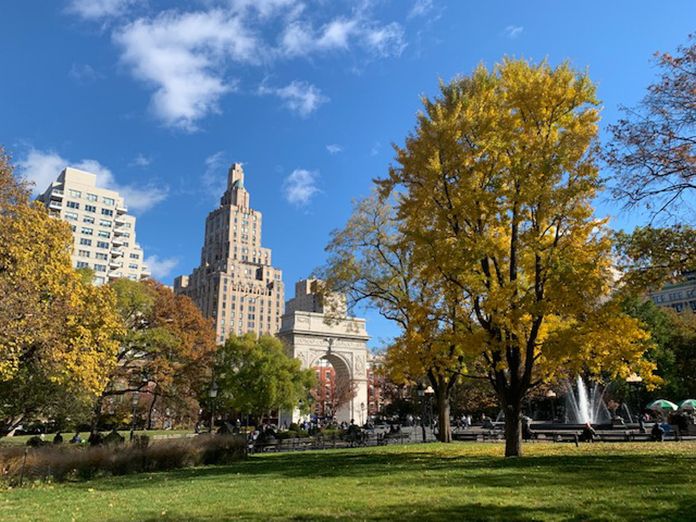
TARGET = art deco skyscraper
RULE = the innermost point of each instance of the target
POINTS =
(235, 283)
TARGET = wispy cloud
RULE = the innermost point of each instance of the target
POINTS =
(84, 73)
(186, 56)
(99, 9)
(420, 8)
(513, 31)
(302, 98)
(375, 148)
(161, 267)
(214, 180)
(300, 187)
(141, 161)
(334, 148)
(43, 167)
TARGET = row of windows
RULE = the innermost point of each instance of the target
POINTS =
(90, 208)
(91, 197)
(72, 216)
(98, 255)
(88, 242)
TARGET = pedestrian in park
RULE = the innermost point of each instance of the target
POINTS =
(76, 439)
(658, 432)
(58, 438)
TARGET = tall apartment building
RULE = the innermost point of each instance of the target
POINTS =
(235, 284)
(103, 231)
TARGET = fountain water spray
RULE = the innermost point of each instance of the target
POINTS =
(583, 406)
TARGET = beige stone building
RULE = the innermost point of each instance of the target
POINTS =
(103, 231)
(235, 283)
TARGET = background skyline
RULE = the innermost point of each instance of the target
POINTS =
(159, 98)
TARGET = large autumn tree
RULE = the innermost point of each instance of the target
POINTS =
(166, 351)
(371, 261)
(58, 333)
(652, 152)
(494, 191)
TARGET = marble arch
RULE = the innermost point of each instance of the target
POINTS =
(310, 336)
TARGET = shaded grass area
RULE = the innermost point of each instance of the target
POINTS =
(426, 482)
(21, 440)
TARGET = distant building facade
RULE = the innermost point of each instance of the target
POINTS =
(103, 231)
(680, 296)
(235, 284)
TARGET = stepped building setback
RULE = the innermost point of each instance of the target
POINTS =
(103, 231)
(235, 284)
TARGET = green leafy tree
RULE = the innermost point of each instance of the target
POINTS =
(255, 376)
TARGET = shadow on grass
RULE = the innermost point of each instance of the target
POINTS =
(601, 470)
(472, 511)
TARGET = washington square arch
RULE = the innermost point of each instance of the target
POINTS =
(310, 336)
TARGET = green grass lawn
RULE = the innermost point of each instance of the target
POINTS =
(460, 481)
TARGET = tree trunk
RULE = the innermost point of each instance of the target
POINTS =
(444, 433)
(96, 413)
(513, 431)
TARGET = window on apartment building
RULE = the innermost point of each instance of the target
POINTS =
(88, 219)
(105, 223)
(104, 233)
(99, 280)
(73, 228)
(102, 256)
(109, 201)
(86, 242)
(100, 268)
(73, 204)
(102, 244)
(72, 216)
(83, 253)
(75, 193)
(90, 208)
(91, 197)
(135, 256)
(87, 231)
(133, 266)
(133, 277)
(81, 264)
(107, 212)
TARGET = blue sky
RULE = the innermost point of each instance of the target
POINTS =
(159, 97)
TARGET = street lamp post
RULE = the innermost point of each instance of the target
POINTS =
(551, 395)
(362, 413)
(429, 393)
(212, 393)
(135, 399)
(634, 381)
(421, 394)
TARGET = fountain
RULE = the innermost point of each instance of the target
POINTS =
(583, 406)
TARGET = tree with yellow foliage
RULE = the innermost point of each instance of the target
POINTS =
(494, 193)
(57, 331)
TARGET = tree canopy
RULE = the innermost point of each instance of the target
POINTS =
(255, 376)
(494, 192)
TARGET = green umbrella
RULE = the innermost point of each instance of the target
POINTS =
(662, 405)
(688, 404)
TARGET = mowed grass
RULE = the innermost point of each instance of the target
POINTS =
(460, 481)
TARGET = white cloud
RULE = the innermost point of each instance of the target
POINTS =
(301, 98)
(420, 8)
(214, 178)
(301, 39)
(334, 148)
(42, 168)
(300, 187)
(183, 56)
(141, 161)
(99, 9)
(161, 268)
(375, 148)
(84, 73)
(513, 31)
